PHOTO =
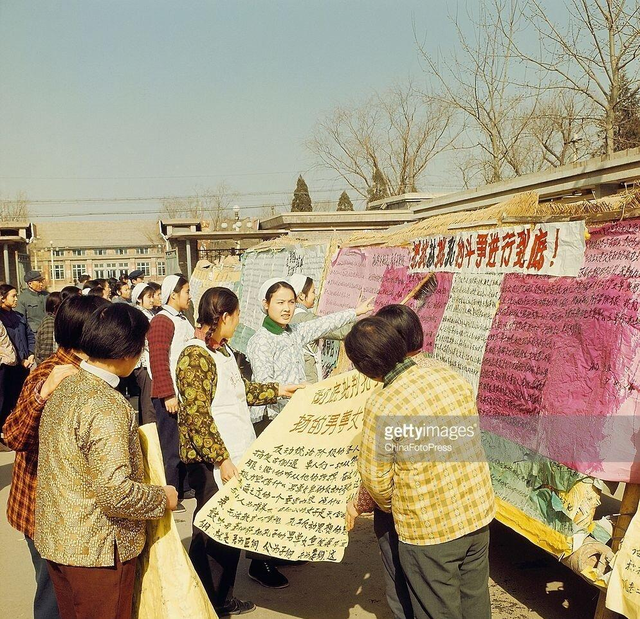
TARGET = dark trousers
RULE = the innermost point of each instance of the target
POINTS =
(395, 583)
(449, 580)
(94, 592)
(215, 563)
(12, 380)
(145, 405)
(45, 605)
(169, 443)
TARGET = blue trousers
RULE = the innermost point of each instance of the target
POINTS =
(45, 605)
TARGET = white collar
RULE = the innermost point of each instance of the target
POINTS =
(171, 310)
(108, 377)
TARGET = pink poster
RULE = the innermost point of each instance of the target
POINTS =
(613, 249)
(560, 370)
(356, 274)
(429, 303)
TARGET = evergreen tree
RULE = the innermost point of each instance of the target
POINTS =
(378, 189)
(626, 132)
(344, 203)
(301, 202)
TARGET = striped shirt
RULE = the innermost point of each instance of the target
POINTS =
(433, 499)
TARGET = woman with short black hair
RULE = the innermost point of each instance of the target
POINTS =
(91, 502)
(21, 433)
(121, 292)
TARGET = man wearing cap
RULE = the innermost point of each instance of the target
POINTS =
(136, 277)
(32, 300)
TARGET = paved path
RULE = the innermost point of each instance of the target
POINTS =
(525, 581)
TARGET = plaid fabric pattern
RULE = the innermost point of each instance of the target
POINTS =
(160, 335)
(45, 340)
(399, 369)
(21, 434)
(434, 501)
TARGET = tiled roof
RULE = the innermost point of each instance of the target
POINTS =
(91, 234)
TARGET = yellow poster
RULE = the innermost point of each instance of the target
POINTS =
(623, 592)
(290, 497)
(167, 587)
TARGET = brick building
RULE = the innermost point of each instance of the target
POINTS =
(100, 248)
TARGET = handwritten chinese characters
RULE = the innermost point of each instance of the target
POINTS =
(289, 499)
(462, 335)
(623, 592)
(550, 249)
(357, 274)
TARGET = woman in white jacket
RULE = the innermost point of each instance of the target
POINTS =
(276, 350)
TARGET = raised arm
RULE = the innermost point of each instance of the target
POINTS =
(312, 330)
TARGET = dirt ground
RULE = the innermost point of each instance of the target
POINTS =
(525, 581)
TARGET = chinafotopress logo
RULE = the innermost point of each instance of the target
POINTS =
(441, 438)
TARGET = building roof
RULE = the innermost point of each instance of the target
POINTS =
(98, 234)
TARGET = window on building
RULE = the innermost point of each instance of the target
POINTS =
(58, 271)
(123, 268)
(143, 250)
(145, 267)
(161, 266)
(105, 270)
(58, 252)
(77, 270)
(79, 252)
(100, 252)
(121, 252)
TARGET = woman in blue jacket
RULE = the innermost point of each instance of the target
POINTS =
(24, 341)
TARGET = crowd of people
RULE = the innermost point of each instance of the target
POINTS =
(80, 369)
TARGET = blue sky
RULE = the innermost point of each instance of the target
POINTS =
(107, 98)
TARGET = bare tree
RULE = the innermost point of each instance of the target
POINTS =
(477, 80)
(564, 129)
(211, 204)
(395, 134)
(16, 209)
(590, 55)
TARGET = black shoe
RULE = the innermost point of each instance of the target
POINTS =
(267, 574)
(235, 607)
(180, 509)
(189, 494)
(286, 562)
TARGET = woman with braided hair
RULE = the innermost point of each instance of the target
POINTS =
(215, 431)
